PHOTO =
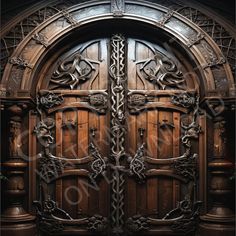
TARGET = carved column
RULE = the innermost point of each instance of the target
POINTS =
(15, 220)
(220, 218)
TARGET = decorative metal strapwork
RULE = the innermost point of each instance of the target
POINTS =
(118, 85)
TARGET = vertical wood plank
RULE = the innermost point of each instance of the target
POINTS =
(165, 151)
(103, 71)
(176, 153)
(142, 52)
(93, 192)
(152, 151)
(131, 203)
(82, 144)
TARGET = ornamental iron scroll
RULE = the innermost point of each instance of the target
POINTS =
(137, 164)
(184, 217)
(118, 87)
(51, 218)
(46, 214)
(73, 71)
(161, 71)
(98, 166)
(189, 213)
(187, 167)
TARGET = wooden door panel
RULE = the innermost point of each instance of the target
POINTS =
(122, 140)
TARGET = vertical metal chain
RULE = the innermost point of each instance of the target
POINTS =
(118, 85)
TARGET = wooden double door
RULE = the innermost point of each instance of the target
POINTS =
(116, 132)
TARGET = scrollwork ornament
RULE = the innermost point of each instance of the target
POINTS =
(137, 165)
(73, 71)
(187, 167)
(162, 72)
(188, 222)
(98, 166)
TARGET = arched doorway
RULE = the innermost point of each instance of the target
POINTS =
(117, 137)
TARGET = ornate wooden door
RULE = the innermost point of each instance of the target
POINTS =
(117, 130)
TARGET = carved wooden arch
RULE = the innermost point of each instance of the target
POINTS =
(214, 69)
